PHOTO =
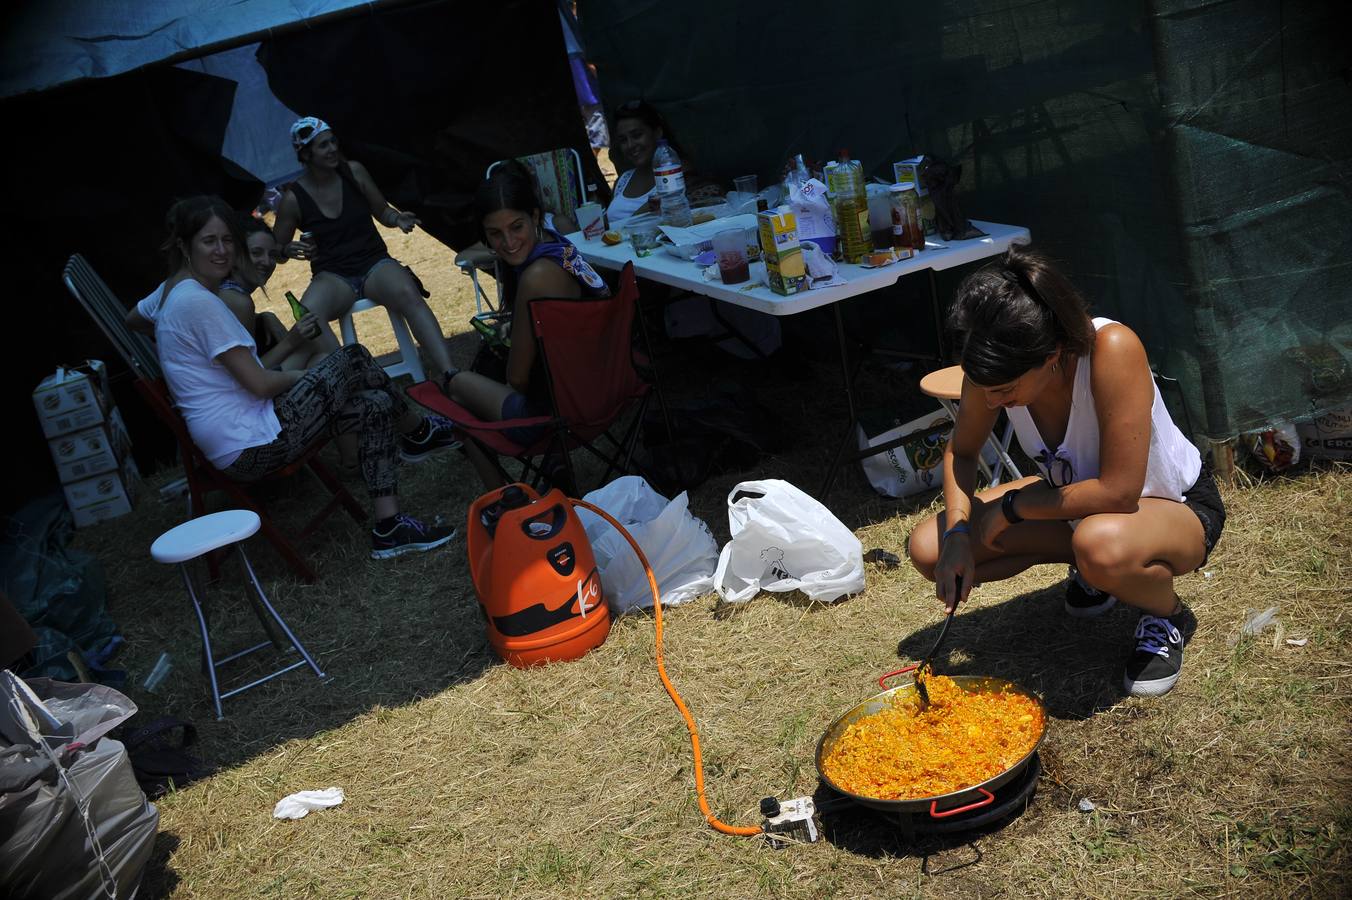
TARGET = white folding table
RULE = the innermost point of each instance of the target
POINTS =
(937, 256)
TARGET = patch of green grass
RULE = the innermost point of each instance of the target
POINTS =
(548, 864)
(1273, 845)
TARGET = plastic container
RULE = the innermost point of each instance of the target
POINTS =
(535, 576)
(642, 232)
(670, 186)
(849, 199)
(730, 248)
(907, 232)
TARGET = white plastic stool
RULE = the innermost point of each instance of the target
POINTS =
(409, 363)
(196, 537)
(945, 385)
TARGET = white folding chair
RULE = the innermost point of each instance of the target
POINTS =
(408, 362)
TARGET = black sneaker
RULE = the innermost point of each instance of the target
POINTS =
(440, 436)
(408, 536)
(1083, 600)
(1157, 662)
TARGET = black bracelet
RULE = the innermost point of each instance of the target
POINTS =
(1007, 507)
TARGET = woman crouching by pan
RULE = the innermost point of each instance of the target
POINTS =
(1123, 496)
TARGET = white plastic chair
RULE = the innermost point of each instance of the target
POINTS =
(409, 362)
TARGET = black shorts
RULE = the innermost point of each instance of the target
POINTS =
(1205, 502)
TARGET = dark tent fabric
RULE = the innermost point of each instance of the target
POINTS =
(425, 94)
(1189, 161)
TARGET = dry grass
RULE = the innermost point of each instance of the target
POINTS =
(468, 778)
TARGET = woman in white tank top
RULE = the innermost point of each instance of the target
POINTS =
(1121, 496)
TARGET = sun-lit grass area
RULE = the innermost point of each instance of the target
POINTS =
(467, 778)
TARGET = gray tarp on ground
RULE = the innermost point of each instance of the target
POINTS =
(1190, 159)
(45, 847)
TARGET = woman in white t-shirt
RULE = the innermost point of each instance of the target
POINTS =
(250, 421)
(1122, 495)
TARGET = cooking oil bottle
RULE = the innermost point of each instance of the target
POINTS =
(845, 178)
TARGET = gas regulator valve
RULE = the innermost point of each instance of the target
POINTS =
(795, 819)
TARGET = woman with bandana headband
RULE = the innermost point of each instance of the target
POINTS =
(1122, 496)
(332, 203)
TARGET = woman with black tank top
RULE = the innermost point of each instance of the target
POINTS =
(333, 202)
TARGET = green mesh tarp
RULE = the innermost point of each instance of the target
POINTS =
(1189, 162)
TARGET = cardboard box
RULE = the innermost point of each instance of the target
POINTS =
(784, 264)
(1328, 436)
(93, 451)
(72, 399)
(105, 496)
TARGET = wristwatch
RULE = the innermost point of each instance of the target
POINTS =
(1007, 507)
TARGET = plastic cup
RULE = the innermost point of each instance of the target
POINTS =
(746, 184)
(591, 220)
(730, 249)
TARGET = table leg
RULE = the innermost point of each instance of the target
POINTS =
(849, 377)
(939, 341)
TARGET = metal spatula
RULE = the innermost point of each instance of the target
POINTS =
(920, 670)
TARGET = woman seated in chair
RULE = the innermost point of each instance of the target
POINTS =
(333, 202)
(635, 129)
(1123, 496)
(278, 346)
(539, 263)
(250, 421)
(268, 330)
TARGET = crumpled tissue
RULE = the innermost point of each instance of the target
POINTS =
(299, 804)
(822, 270)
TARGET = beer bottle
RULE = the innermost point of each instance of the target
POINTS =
(297, 308)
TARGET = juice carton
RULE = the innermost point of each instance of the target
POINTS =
(781, 252)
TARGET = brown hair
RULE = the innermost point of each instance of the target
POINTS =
(1012, 315)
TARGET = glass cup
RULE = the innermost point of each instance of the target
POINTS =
(746, 184)
(730, 249)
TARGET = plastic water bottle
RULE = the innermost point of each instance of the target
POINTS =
(670, 186)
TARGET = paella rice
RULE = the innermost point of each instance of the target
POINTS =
(961, 739)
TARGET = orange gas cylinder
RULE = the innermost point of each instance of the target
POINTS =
(535, 576)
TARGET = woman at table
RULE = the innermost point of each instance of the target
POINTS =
(250, 421)
(539, 263)
(1121, 495)
(334, 200)
(636, 127)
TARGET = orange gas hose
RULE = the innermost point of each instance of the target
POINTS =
(714, 821)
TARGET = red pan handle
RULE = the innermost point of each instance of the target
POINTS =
(934, 806)
(882, 680)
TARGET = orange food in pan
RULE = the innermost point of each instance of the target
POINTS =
(963, 738)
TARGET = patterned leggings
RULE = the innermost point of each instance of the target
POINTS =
(346, 392)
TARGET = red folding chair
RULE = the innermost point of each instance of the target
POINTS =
(586, 346)
(203, 478)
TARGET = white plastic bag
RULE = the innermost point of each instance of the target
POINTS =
(679, 547)
(917, 465)
(784, 540)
